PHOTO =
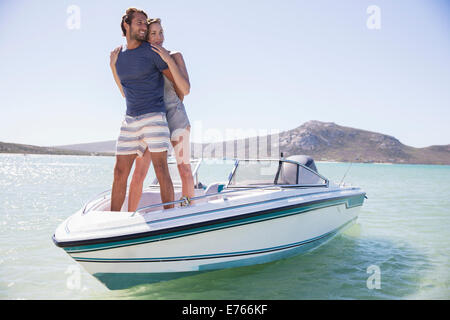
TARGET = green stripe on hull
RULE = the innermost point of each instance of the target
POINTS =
(117, 281)
(215, 255)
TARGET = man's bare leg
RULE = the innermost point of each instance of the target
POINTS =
(122, 169)
(137, 182)
(162, 173)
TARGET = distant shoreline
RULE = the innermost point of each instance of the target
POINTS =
(58, 154)
(15, 148)
(98, 154)
(384, 163)
(323, 141)
(317, 161)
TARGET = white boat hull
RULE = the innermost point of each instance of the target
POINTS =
(247, 242)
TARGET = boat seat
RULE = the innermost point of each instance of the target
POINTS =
(215, 187)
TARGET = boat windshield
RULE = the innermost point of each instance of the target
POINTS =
(250, 173)
(254, 172)
(204, 172)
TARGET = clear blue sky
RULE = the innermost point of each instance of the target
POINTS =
(252, 65)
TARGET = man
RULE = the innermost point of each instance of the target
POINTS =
(140, 70)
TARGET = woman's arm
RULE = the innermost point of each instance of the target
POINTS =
(178, 57)
(169, 76)
(181, 78)
(112, 63)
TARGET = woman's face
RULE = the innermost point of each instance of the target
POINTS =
(155, 34)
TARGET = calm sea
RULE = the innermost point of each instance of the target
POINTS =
(398, 249)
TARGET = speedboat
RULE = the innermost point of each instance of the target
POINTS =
(267, 209)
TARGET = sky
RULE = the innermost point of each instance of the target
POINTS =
(254, 66)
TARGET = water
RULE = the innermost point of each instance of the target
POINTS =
(402, 232)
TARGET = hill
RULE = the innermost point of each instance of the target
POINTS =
(102, 146)
(324, 141)
(6, 147)
(328, 141)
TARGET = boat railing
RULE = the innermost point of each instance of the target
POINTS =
(95, 199)
(197, 163)
(224, 193)
(235, 188)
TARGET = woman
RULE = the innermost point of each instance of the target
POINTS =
(174, 91)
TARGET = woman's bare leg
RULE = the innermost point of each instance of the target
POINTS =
(182, 150)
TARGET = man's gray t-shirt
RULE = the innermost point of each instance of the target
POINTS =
(139, 71)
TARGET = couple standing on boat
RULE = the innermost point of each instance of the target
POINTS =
(153, 81)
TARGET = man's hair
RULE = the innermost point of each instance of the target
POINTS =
(128, 16)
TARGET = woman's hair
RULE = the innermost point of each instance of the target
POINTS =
(153, 20)
(128, 16)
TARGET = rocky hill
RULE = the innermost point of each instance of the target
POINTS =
(328, 141)
(325, 141)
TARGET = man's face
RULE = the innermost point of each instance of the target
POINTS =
(139, 27)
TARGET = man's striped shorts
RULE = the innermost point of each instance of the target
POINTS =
(148, 130)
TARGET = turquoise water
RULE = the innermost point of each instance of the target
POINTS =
(402, 233)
